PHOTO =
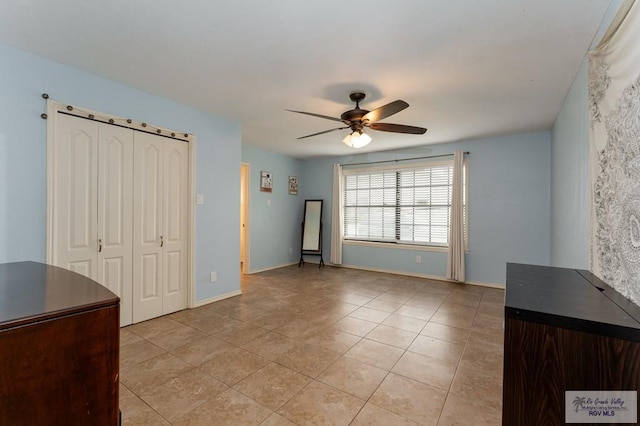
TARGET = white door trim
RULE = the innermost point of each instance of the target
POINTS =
(246, 188)
(191, 214)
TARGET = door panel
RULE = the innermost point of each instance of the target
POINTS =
(115, 204)
(176, 191)
(147, 232)
(74, 198)
(173, 272)
(151, 196)
(83, 267)
(80, 189)
(115, 276)
(150, 277)
(176, 208)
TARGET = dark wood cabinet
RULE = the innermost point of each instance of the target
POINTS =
(565, 330)
(59, 347)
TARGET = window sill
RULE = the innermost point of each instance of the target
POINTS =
(414, 247)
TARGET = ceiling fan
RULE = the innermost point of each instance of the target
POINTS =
(357, 119)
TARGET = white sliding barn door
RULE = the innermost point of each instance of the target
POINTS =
(176, 225)
(160, 226)
(148, 240)
(115, 189)
(75, 195)
(92, 201)
(119, 212)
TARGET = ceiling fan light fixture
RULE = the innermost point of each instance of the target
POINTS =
(356, 119)
(357, 140)
(360, 140)
(347, 141)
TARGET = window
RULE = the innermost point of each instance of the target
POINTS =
(406, 205)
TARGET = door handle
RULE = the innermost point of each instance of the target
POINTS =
(99, 245)
(161, 241)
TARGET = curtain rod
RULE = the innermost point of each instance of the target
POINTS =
(404, 159)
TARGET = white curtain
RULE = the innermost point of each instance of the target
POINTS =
(336, 216)
(614, 105)
(455, 258)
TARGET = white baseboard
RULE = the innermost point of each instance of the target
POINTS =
(417, 275)
(257, 271)
(388, 271)
(217, 298)
(488, 285)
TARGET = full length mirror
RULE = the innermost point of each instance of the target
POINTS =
(311, 229)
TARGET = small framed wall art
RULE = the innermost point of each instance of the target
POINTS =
(293, 185)
(266, 181)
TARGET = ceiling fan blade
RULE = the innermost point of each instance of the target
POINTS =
(316, 115)
(385, 111)
(398, 128)
(326, 131)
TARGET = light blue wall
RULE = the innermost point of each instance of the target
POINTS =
(274, 217)
(23, 168)
(508, 207)
(570, 178)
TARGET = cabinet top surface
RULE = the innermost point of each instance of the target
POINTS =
(32, 291)
(569, 298)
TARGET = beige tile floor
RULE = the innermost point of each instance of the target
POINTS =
(313, 346)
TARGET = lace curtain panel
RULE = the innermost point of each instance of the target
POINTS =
(614, 103)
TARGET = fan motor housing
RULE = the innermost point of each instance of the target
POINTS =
(353, 115)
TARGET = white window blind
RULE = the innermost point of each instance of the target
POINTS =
(409, 205)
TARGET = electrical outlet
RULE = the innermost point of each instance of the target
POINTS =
(290, 250)
(418, 259)
(214, 276)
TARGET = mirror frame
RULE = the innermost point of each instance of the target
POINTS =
(312, 227)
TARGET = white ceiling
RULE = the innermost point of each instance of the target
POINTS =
(467, 68)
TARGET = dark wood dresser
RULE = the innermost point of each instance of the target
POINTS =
(565, 330)
(59, 347)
